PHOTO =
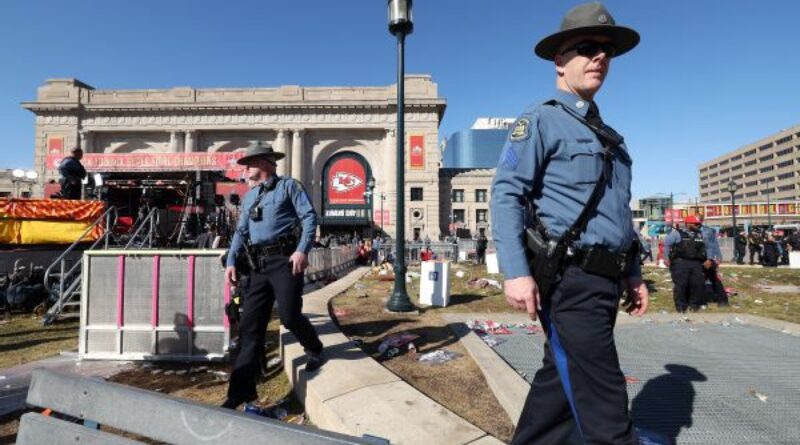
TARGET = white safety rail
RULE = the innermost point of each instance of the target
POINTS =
(167, 304)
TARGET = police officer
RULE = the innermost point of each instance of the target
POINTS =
(270, 213)
(740, 244)
(71, 173)
(686, 250)
(551, 164)
(754, 245)
(711, 264)
(481, 244)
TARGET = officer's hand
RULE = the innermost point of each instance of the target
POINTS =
(523, 294)
(299, 262)
(708, 263)
(230, 275)
(638, 297)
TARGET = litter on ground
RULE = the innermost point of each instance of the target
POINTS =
(439, 356)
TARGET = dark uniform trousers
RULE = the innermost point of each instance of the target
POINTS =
(688, 282)
(274, 280)
(580, 391)
(718, 289)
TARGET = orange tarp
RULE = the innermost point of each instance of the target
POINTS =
(48, 221)
(51, 209)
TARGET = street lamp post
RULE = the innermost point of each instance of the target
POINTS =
(369, 194)
(29, 177)
(400, 25)
(383, 198)
(769, 212)
(732, 187)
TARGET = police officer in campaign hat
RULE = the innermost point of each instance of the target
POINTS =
(274, 234)
(686, 250)
(565, 238)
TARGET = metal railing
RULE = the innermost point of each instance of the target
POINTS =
(150, 222)
(68, 278)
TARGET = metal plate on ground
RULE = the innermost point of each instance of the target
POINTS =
(699, 383)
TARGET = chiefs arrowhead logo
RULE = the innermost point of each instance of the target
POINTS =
(343, 182)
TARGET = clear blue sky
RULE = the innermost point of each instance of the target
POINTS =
(708, 77)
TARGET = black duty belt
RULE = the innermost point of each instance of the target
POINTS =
(599, 261)
(284, 246)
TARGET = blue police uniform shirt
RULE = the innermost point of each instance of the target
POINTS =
(282, 207)
(713, 251)
(554, 161)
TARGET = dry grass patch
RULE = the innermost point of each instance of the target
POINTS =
(458, 384)
(751, 297)
(23, 339)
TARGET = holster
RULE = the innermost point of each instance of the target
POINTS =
(546, 259)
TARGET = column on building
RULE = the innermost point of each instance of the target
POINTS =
(175, 142)
(87, 141)
(390, 172)
(190, 142)
(284, 166)
(297, 155)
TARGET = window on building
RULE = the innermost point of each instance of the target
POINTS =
(768, 190)
(482, 215)
(458, 216)
(785, 163)
(751, 184)
(416, 193)
(750, 153)
(766, 146)
(783, 140)
(767, 157)
(784, 152)
(703, 178)
(713, 175)
(736, 158)
(750, 173)
(722, 172)
(768, 180)
(786, 188)
(735, 177)
(480, 195)
(458, 195)
(749, 163)
(736, 167)
(768, 168)
(751, 194)
(785, 176)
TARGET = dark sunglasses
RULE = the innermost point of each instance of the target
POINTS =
(590, 48)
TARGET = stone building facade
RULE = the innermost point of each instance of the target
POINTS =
(185, 130)
(465, 194)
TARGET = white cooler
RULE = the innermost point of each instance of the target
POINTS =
(794, 260)
(434, 286)
(492, 266)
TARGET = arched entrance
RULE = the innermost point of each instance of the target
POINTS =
(346, 208)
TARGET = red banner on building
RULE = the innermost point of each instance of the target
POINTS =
(417, 151)
(55, 146)
(381, 220)
(135, 162)
(346, 182)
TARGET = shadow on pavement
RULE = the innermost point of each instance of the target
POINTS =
(666, 403)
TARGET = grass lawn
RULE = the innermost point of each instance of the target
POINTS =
(23, 339)
(749, 284)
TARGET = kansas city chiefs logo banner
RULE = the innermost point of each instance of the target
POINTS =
(346, 182)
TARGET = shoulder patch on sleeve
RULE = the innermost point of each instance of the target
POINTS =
(522, 130)
(509, 159)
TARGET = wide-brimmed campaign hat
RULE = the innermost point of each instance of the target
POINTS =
(259, 149)
(588, 18)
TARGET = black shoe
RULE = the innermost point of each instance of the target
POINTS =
(315, 361)
(694, 308)
(232, 403)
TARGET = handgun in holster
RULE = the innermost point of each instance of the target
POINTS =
(545, 260)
